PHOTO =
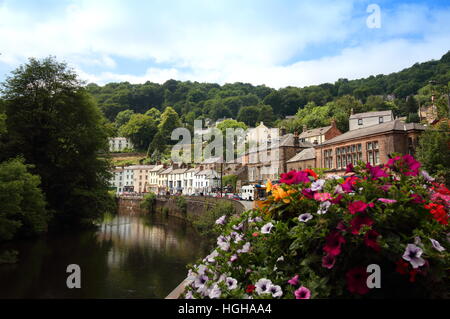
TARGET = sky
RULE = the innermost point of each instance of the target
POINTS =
(278, 43)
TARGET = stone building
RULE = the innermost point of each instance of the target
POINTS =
(304, 159)
(270, 162)
(372, 145)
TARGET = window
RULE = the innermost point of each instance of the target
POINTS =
(373, 153)
(348, 154)
(380, 119)
(360, 122)
(328, 158)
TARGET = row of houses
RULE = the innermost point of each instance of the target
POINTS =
(372, 138)
(161, 179)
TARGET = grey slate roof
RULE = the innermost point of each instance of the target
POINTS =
(370, 114)
(395, 125)
(306, 154)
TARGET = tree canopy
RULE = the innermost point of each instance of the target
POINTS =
(53, 123)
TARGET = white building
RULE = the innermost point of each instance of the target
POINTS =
(128, 179)
(153, 178)
(363, 120)
(117, 180)
(118, 144)
(189, 181)
(205, 181)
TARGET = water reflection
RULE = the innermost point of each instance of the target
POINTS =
(129, 256)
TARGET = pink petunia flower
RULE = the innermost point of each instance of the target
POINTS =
(322, 197)
(302, 293)
(334, 241)
(357, 207)
(387, 200)
(293, 281)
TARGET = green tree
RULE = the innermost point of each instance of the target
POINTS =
(248, 115)
(140, 129)
(230, 124)
(22, 203)
(266, 115)
(123, 117)
(434, 152)
(55, 125)
(169, 121)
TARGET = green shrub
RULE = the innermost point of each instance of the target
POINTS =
(149, 202)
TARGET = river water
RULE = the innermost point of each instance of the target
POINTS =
(128, 256)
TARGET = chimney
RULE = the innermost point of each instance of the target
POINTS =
(305, 128)
(351, 111)
(296, 139)
(282, 131)
(333, 123)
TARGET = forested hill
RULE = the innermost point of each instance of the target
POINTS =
(249, 103)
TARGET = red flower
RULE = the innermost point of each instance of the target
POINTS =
(334, 242)
(349, 168)
(250, 289)
(370, 239)
(349, 184)
(289, 177)
(357, 222)
(417, 199)
(357, 207)
(412, 275)
(337, 199)
(357, 281)
(310, 172)
(402, 267)
(294, 177)
(438, 212)
(308, 193)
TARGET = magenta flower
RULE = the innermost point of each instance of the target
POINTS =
(294, 177)
(357, 207)
(387, 200)
(349, 168)
(417, 199)
(377, 172)
(308, 193)
(334, 242)
(328, 261)
(322, 197)
(359, 221)
(302, 293)
(293, 281)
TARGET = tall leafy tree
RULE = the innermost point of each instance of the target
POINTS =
(140, 129)
(434, 151)
(55, 125)
(22, 203)
(169, 121)
(123, 117)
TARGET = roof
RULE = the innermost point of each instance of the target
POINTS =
(212, 160)
(140, 167)
(157, 168)
(286, 140)
(391, 126)
(179, 171)
(371, 114)
(315, 131)
(167, 170)
(306, 154)
(208, 173)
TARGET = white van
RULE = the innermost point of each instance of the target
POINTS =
(248, 192)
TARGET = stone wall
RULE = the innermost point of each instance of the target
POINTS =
(195, 205)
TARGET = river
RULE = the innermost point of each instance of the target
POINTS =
(128, 256)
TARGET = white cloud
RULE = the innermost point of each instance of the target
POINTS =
(223, 41)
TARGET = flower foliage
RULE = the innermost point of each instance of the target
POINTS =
(314, 237)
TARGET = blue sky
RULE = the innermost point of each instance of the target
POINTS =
(277, 43)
